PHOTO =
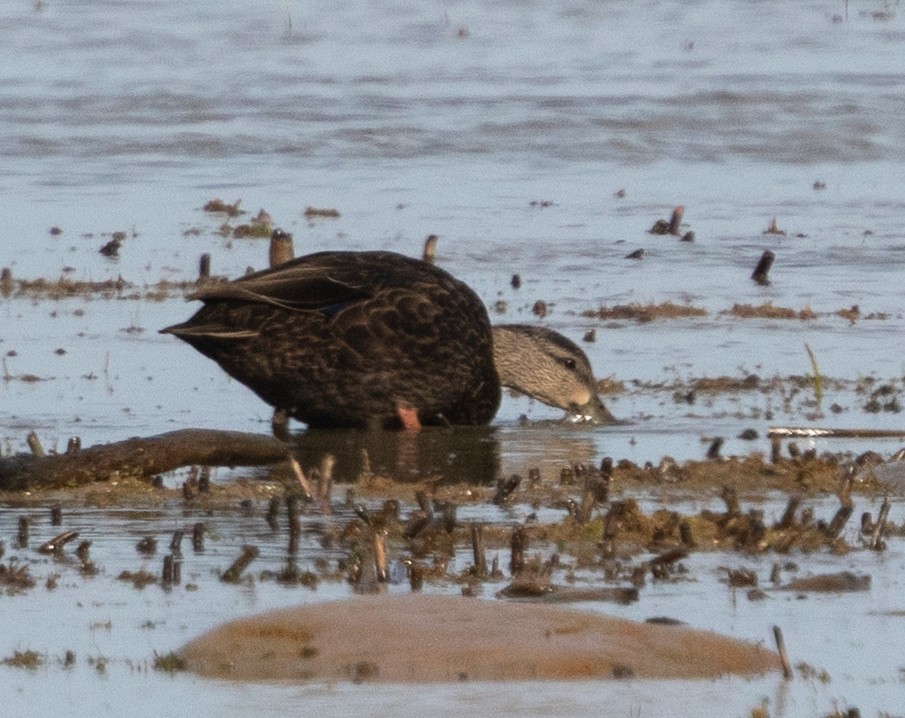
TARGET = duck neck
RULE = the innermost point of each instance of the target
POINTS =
(508, 350)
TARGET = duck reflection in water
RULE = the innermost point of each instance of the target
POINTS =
(463, 455)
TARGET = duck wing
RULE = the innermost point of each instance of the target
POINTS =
(321, 281)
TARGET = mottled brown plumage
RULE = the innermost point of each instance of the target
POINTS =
(353, 339)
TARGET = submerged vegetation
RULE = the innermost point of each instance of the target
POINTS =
(65, 287)
(15, 578)
(31, 660)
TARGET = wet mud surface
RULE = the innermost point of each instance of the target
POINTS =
(601, 538)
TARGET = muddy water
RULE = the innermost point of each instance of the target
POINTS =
(507, 129)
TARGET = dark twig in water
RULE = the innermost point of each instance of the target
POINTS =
(783, 656)
(519, 545)
(763, 268)
(295, 525)
(198, 531)
(167, 575)
(480, 556)
(611, 528)
(835, 526)
(204, 267)
(588, 503)
(876, 538)
(367, 579)
(74, 446)
(57, 542)
(176, 542)
(234, 573)
(380, 554)
(788, 516)
(34, 443)
(730, 498)
(775, 449)
(675, 220)
(661, 226)
(416, 576)
(273, 511)
(141, 458)
(505, 488)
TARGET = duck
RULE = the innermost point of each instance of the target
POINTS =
(363, 339)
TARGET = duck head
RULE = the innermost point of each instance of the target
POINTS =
(549, 367)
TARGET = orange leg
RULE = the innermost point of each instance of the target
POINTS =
(408, 415)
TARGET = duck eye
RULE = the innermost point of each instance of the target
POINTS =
(568, 363)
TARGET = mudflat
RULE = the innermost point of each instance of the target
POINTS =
(427, 639)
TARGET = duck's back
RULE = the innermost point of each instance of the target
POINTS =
(349, 338)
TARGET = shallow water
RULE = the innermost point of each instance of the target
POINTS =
(451, 118)
(115, 629)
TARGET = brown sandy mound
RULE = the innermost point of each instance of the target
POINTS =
(417, 638)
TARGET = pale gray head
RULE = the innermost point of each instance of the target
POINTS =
(547, 366)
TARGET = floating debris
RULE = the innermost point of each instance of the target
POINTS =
(15, 578)
(260, 226)
(671, 226)
(769, 311)
(218, 206)
(774, 229)
(844, 581)
(316, 212)
(139, 579)
(32, 660)
(646, 312)
(55, 545)
(64, 287)
(111, 248)
(169, 662)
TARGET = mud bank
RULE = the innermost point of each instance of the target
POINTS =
(429, 639)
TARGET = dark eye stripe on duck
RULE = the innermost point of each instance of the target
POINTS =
(563, 343)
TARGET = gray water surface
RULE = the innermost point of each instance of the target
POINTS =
(461, 119)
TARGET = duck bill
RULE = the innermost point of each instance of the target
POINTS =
(593, 412)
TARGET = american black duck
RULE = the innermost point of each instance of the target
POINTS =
(359, 339)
